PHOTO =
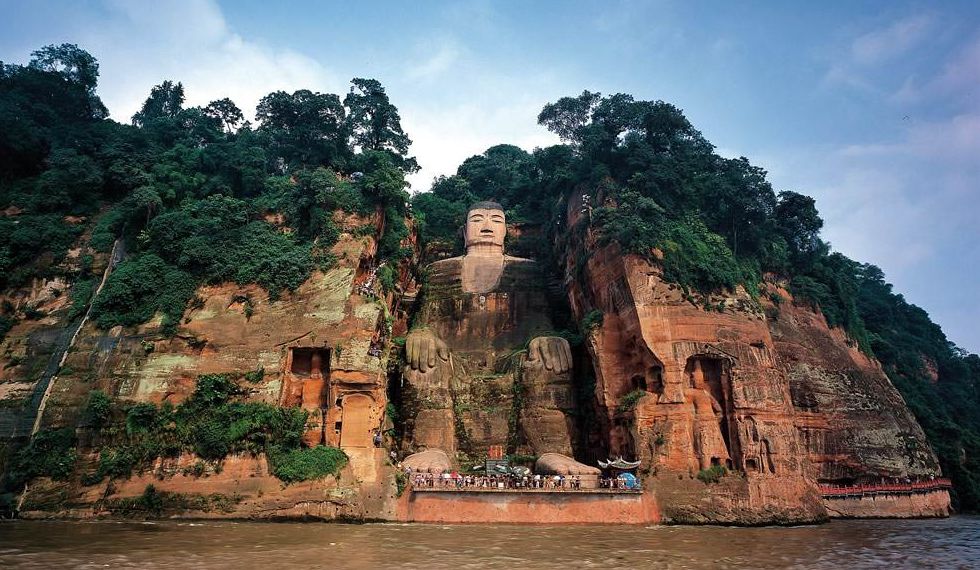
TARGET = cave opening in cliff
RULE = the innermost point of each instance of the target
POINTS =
(309, 362)
(306, 381)
(654, 381)
(639, 382)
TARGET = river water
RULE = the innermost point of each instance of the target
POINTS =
(949, 543)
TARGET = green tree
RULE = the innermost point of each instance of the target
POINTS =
(569, 115)
(75, 65)
(799, 223)
(304, 128)
(374, 123)
(165, 102)
(225, 111)
(72, 182)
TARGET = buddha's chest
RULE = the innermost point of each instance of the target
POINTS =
(507, 318)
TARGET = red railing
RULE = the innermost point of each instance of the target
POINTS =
(833, 491)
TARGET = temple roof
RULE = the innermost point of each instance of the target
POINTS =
(618, 463)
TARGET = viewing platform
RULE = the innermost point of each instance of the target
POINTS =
(452, 503)
(527, 491)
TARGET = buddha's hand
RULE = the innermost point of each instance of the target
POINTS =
(551, 351)
(424, 350)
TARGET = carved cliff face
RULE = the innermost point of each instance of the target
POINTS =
(485, 231)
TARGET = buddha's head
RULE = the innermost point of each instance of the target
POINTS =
(485, 228)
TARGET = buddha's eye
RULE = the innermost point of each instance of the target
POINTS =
(497, 219)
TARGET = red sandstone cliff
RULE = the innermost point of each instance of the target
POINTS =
(768, 392)
(854, 424)
(323, 347)
(780, 402)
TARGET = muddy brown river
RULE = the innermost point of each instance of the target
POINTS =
(950, 543)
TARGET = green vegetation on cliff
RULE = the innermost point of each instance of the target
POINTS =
(191, 190)
(212, 423)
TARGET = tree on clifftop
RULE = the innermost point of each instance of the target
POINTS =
(165, 102)
(225, 111)
(305, 128)
(374, 122)
(76, 66)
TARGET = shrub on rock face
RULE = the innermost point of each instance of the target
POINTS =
(712, 474)
(211, 440)
(141, 418)
(307, 464)
(117, 462)
(141, 287)
(98, 409)
(50, 454)
(212, 423)
(6, 323)
(629, 401)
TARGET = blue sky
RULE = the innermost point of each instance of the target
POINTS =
(873, 108)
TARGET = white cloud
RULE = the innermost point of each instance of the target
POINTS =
(454, 105)
(880, 45)
(908, 203)
(443, 137)
(141, 44)
(909, 206)
(957, 80)
(435, 59)
(962, 73)
(854, 63)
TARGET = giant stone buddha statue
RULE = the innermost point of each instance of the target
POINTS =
(478, 313)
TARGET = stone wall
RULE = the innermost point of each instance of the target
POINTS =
(920, 505)
(528, 508)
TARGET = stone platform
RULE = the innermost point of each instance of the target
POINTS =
(529, 506)
(527, 491)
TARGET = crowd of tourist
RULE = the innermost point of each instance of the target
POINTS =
(508, 481)
(618, 483)
(422, 480)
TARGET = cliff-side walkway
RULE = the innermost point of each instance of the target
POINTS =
(911, 488)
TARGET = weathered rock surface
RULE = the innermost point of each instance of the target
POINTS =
(854, 424)
(704, 391)
(323, 347)
(433, 461)
(923, 505)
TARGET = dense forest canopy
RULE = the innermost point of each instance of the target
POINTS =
(187, 189)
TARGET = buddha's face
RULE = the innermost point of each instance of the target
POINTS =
(485, 227)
